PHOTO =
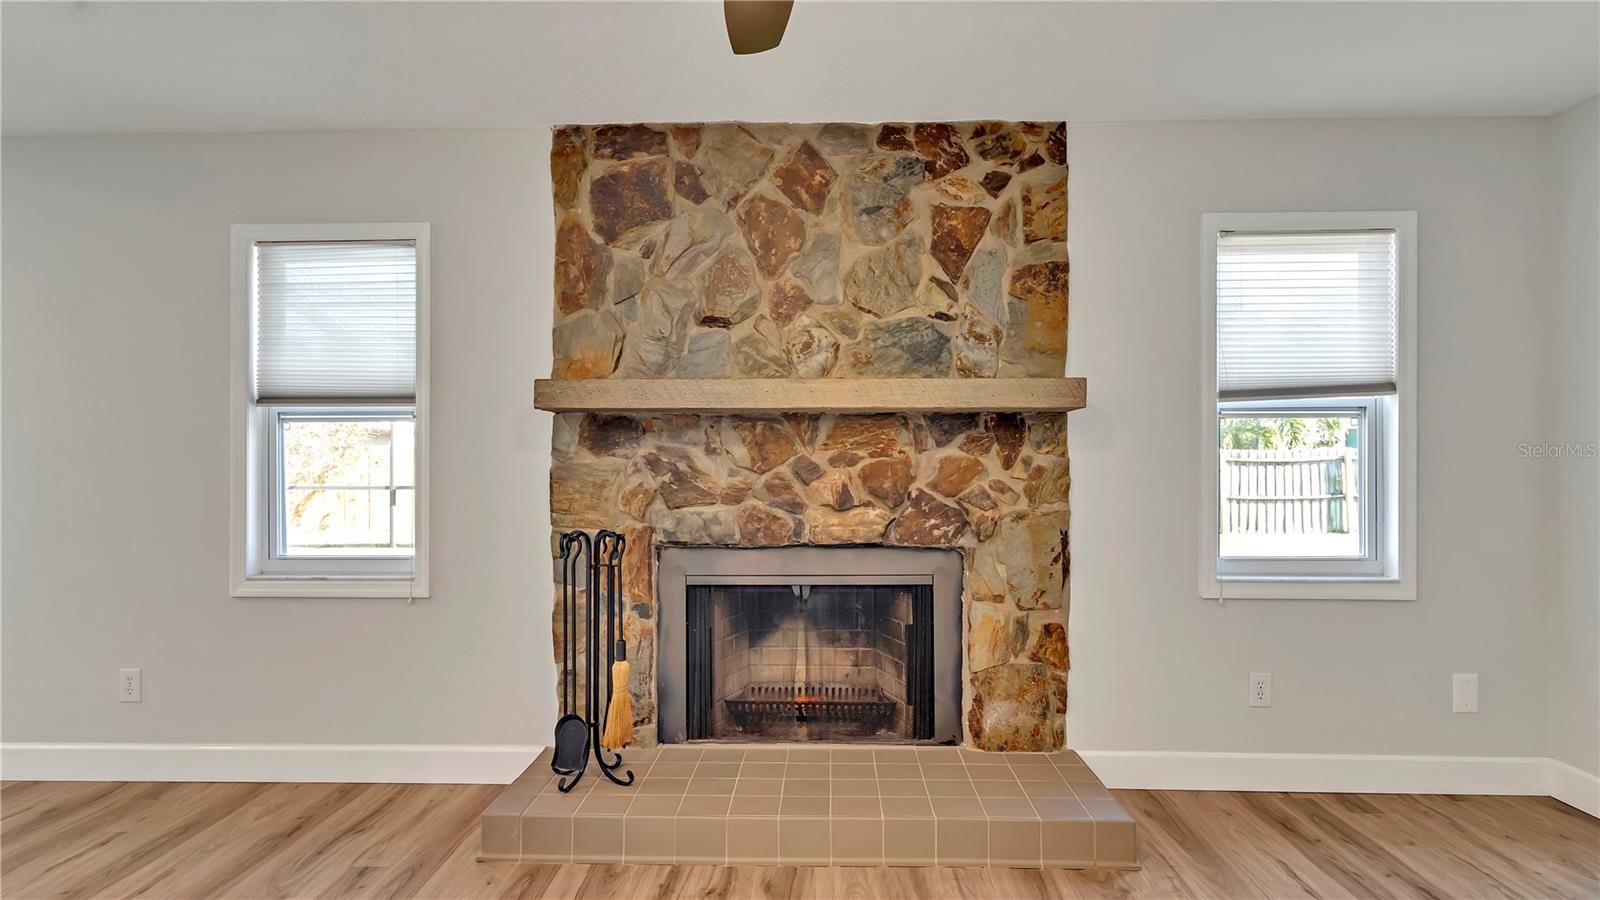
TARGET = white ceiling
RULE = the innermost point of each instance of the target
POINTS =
(135, 67)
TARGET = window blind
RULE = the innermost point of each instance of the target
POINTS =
(1306, 314)
(336, 321)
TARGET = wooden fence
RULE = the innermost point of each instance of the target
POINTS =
(1303, 491)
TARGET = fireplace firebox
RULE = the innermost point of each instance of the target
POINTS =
(809, 644)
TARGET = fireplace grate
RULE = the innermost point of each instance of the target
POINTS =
(764, 704)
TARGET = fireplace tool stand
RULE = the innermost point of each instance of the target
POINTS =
(598, 563)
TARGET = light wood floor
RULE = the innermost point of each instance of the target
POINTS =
(338, 840)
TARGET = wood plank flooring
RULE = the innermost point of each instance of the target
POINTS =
(92, 840)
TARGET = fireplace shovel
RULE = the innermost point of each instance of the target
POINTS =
(572, 730)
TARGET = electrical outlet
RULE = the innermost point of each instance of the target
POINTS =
(130, 685)
(1260, 689)
(1464, 692)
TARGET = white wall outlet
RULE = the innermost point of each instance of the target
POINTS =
(1464, 692)
(130, 685)
(1260, 689)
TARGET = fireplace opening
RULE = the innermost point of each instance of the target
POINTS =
(794, 644)
(804, 662)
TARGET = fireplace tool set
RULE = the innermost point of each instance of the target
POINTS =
(591, 578)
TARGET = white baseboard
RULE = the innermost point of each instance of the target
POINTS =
(373, 763)
(1346, 773)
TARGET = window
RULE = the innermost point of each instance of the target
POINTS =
(1307, 390)
(330, 420)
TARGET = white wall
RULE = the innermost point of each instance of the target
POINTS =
(1574, 417)
(116, 459)
(116, 317)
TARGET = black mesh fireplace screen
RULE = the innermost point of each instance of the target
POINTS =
(809, 662)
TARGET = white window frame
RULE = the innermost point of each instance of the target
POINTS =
(254, 569)
(1388, 569)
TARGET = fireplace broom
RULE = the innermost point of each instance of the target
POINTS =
(619, 717)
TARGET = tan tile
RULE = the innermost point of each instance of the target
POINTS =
(640, 754)
(723, 754)
(1014, 843)
(953, 788)
(903, 755)
(982, 772)
(855, 787)
(753, 842)
(766, 755)
(806, 770)
(663, 805)
(501, 834)
(702, 841)
(804, 842)
(1116, 844)
(908, 842)
(649, 840)
(974, 755)
(856, 808)
(663, 785)
(854, 770)
(906, 808)
(961, 842)
(717, 770)
(804, 807)
(714, 786)
(762, 770)
(850, 755)
(509, 804)
(899, 770)
(805, 787)
(758, 787)
(1068, 844)
(1105, 809)
(1061, 809)
(1078, 774)
(1047, 789)
(942, 772)
(672, 770)
(1024, 756)
(1038, 773)
(937, 755)
(958, 807)
(1008, 808)
(902, 788)
(597, 840)
(754, 806)
(1065, 758)
(598, 804)
(1090, 790)
(547, 838)
(699, 806)
(555, 805)
(858, 842)
(809, 754)
(679, 754)
(999, 789)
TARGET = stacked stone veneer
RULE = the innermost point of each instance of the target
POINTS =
(827, 251)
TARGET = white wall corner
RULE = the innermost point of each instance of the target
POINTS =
(1574, 787)
(343, 763)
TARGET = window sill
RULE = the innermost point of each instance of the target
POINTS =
(380, 588)
(1278, 588)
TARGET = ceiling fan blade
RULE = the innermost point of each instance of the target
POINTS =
(755, 25)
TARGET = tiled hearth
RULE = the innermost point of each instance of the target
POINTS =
(819, 805)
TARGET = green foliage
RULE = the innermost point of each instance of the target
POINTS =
(1248, 433)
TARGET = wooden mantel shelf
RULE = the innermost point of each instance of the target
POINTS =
(815, 395)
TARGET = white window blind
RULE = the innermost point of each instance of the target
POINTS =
(336, 321)
(1306, 314)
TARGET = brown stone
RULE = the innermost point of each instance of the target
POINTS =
(844, 459)
(736, 490)
(977, 346)
(812, 349)
(884, 281)
(834, 489)
(1024, 562)
(978, 498)
(955, 473)
(605, 435)
(1047, 433)
(567, 162)
(732, 160)
(636, 498)
(628, 195)
(1032, 161)
(686, 181)
(991, 635)
(583, 494)
(877, 201)
(581, 265)
(956, 233)
(947, 426)
(764, 445)
(894, 137)
(1004, 224)
(1011, 708)
(1048, 482)
(777, 490)
(959, 190)
(1044, 212)
(638, 579)
(879, 437)
(805, 178)
(986, 127)
(938, 298)
(687, 137)
(586, 346)
(929, 522)
(1048, 644)
(1005, 492)
(995, 181)
(680, 481)
(940, 147)
(773, 232)
(858, 525)
(978, 443)
(1008, 430)
(1037, 321)
(785, 301)
(1056, 144)
(628, 142)
(1003, 147)
(804, 425)
(729, 293)
(761, 526)
(806, 469)
(887, 479)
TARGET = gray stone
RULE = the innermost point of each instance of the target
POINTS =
(905, 347)
(731, 160)
(586, 346)
(818, 266)
(627, 277)
(977, 346)
(812, 349)
(656, 336)
(844, 139)
(706, 355)
(878, 196)
(884, 281)
(755, 357)
(691, 238)
(729, 293)
(694, 526)
(982, 282)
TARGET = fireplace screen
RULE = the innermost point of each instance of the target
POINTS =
(809, 662)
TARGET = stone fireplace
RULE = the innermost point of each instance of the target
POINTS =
(918, 250)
